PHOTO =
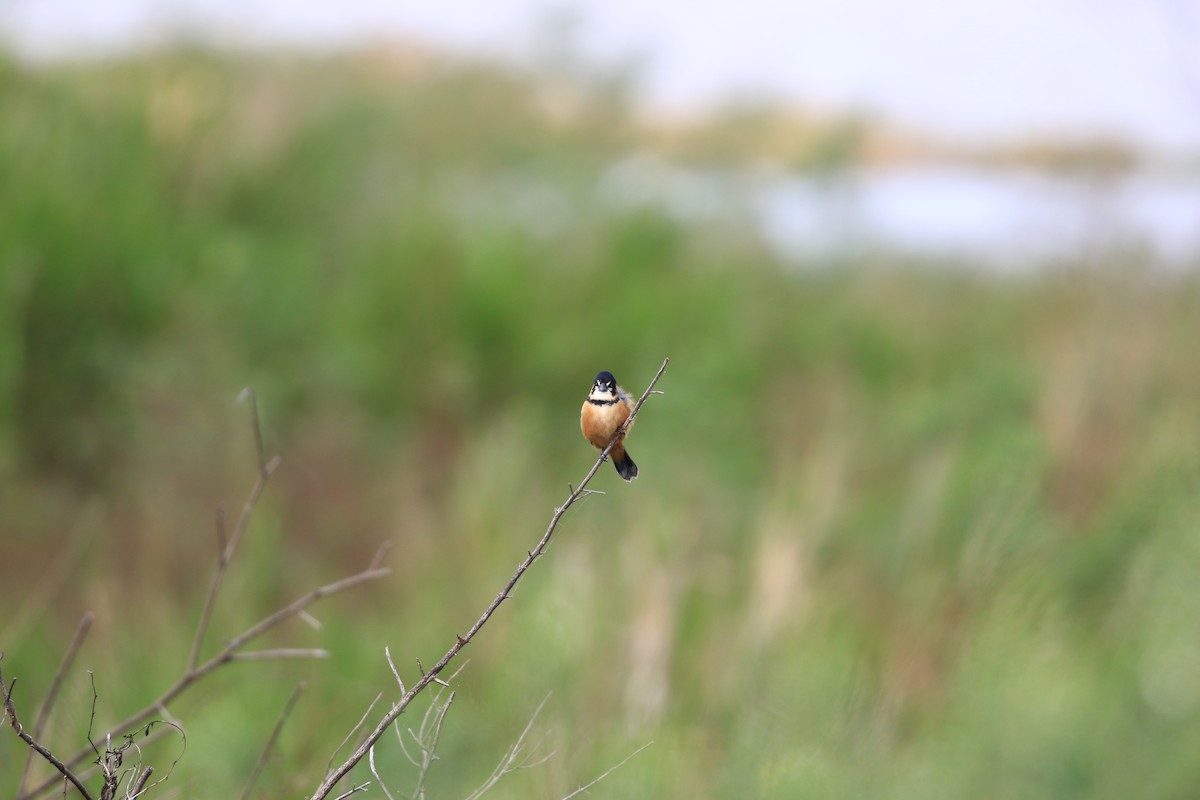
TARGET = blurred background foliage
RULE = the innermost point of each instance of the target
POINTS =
(905, 528)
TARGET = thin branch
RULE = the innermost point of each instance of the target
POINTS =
(11, 712)
(290, 611)
(248, 393)
(607, 772)
(511, 762)
(265, 470)
(222, 539)
(227, 551)
(91, 771)
(226, 655)
(404, 747)
(232, 651)
(427, 740)
(362, 721)
(381, 554)
(309, 620)
(140, 784)
(266, 752)
(39, 725)
(92, 717)
(462, 641)
(371, 763)
(387, 651)
(362, 787)
(281, 653)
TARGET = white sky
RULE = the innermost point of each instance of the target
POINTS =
(968, 68)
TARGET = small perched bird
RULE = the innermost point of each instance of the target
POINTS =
(606, 409)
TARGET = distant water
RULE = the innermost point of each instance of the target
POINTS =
(1003, 219)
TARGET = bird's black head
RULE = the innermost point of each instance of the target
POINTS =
(605, 381)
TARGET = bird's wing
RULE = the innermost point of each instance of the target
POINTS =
(629, 401)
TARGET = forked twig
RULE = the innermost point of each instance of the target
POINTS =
(154, 736)
(461, 641)
(232, 651)
(229, 547)
(140, 784)
(362, 721)
(362, 787)
(11, 712)
(427, 739)
(280, 654)
(512, 760)
(39, 725)
(226, 655)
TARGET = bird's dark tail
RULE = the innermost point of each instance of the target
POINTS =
(625, 466)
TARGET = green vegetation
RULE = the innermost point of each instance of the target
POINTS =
(901, 531)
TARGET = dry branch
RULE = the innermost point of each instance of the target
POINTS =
(227, 654)
(68, 658)
(11, 712)
(461, 641)
(140, 784)
(227, 549)
(232, 651)
(515, 758)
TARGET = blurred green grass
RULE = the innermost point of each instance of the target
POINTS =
(903, 530)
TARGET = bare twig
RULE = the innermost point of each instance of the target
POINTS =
(514, 759)
(362, 787)
(427, 739)
(266, 752)
(309, 620)
(109, 765)
(371, 763)
(222, 539)
(265, 469)
(248, 394)
(226, 553)
(153, 731)
(226, 655)
(92, 717)
(463, 640)
(387, 651)
(11, 712)
(281, 653)
(607, 772)
(153, 736)
(140, 784)
(362, 721)
(381, 554)
(85, 624)
(233, 647)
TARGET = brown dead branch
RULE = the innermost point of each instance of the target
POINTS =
(11, 713)
(81, 632)
(232, 651)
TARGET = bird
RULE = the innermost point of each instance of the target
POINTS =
(606, 408)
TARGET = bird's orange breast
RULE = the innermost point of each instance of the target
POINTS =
(598, 423)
